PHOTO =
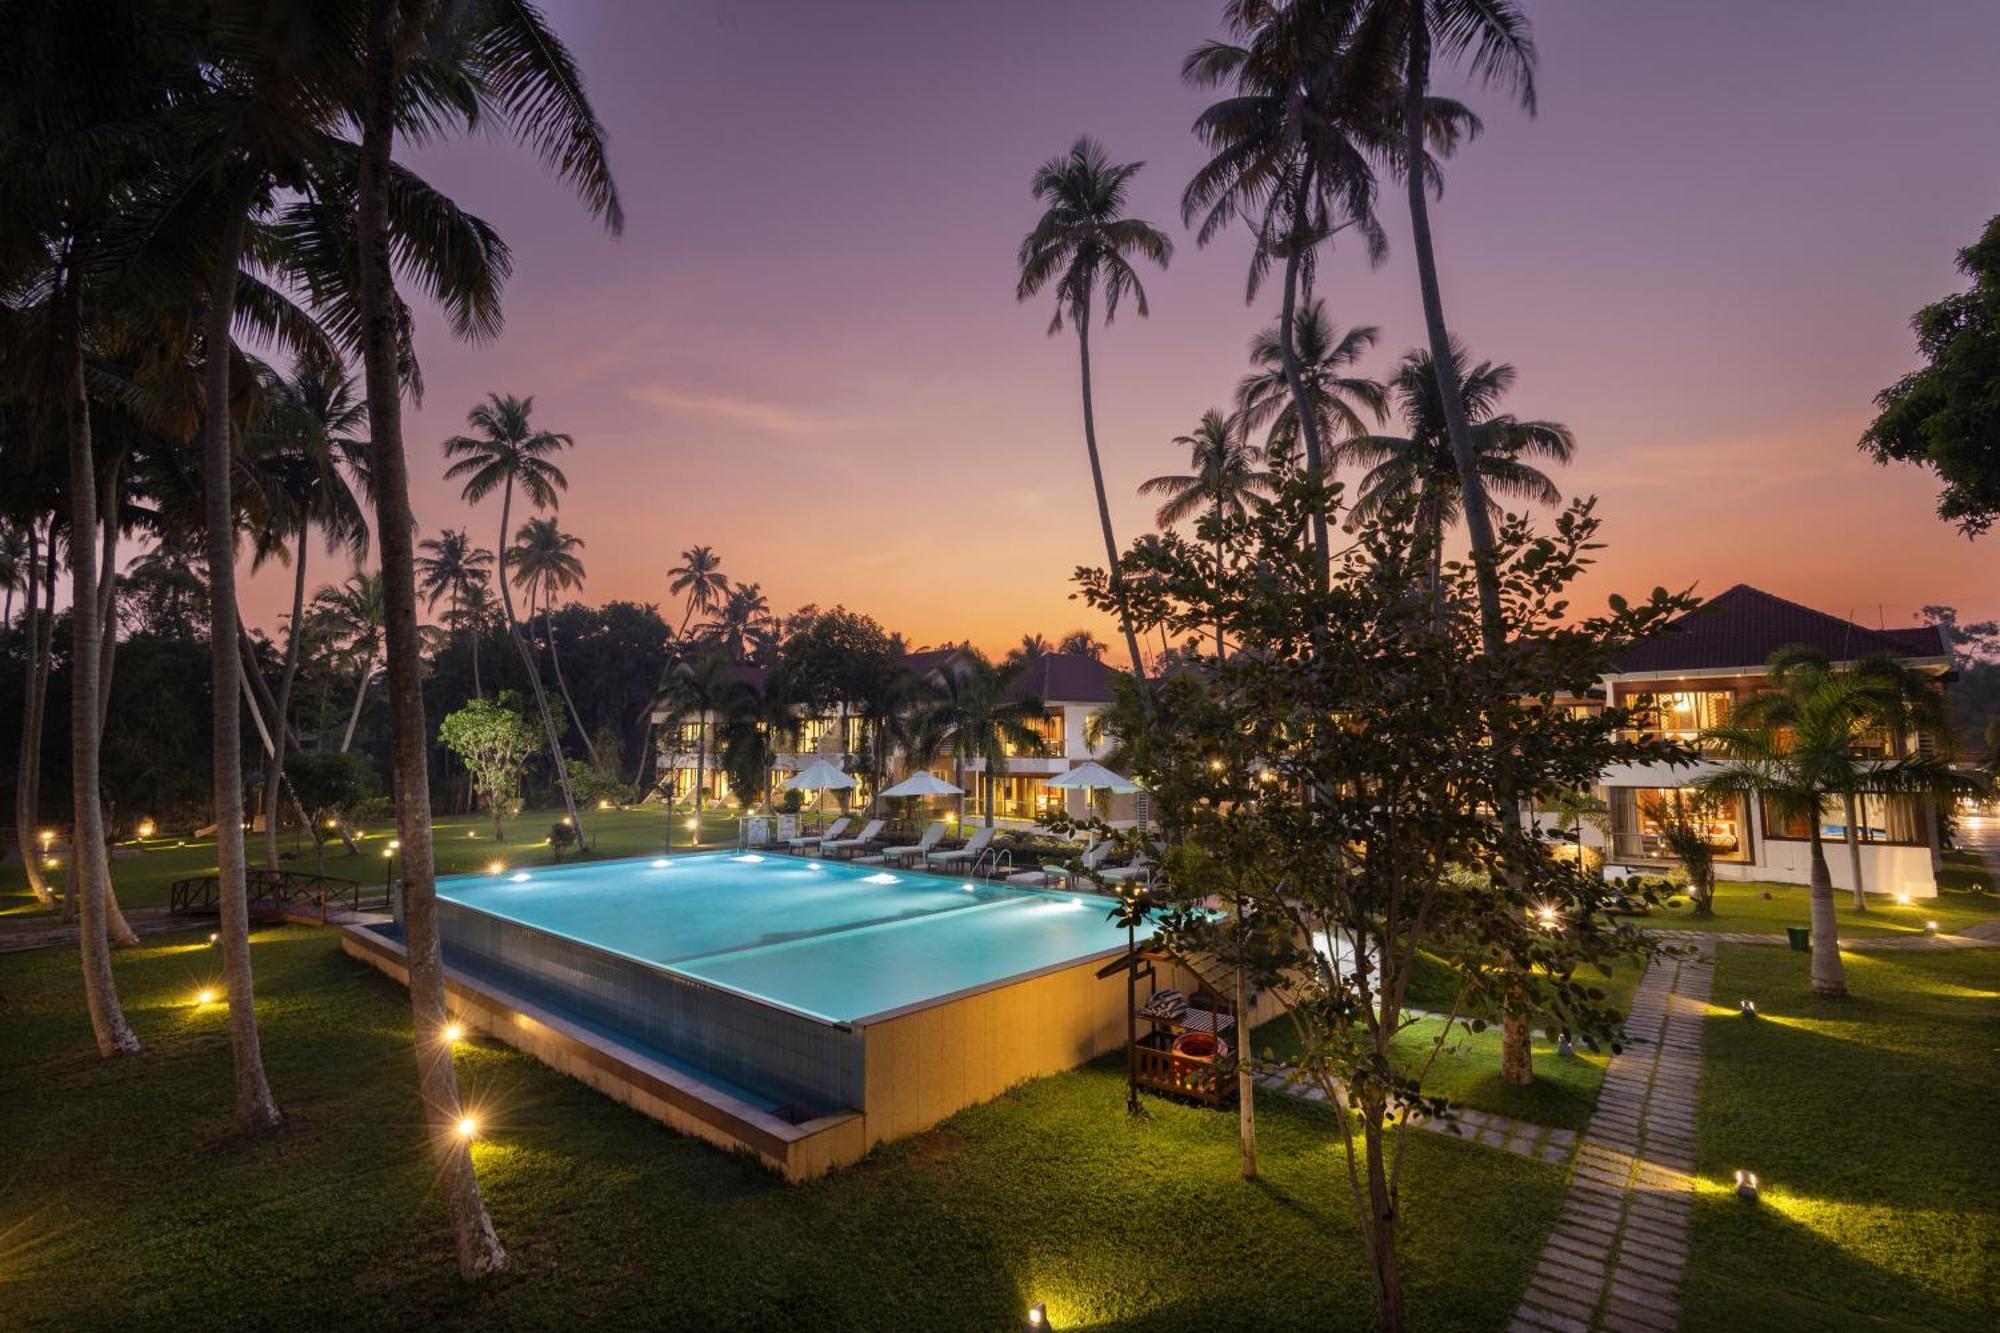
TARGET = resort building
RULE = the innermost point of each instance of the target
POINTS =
(1073, 689)
(1690, 679)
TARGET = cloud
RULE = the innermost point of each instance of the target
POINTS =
(775, 418)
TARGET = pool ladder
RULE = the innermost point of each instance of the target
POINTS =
(991, 861)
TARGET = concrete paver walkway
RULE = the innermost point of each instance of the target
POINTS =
(1614, 1261)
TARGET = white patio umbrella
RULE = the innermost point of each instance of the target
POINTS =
(820, 777)
(1092, 776)
(924, 783)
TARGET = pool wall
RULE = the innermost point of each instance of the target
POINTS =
(793, 1057)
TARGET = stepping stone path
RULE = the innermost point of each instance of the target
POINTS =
(1614, 1261)
(1519, 1137)
(1985, 935)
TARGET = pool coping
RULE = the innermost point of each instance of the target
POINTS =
(703, 1110)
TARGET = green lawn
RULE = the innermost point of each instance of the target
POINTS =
(1872, 1123)
(1962, 901)
(126, 1204)
(464, 842)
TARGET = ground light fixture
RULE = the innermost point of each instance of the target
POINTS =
(215, 937)
(204, 996)
(1746, 1185)
(1902, 900)
(453, 1032)
(1748, 1008)
(1930, 927)
(1038, 1317)
(147, 828)
(467, 1128)
(496, 867)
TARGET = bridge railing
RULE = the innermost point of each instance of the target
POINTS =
(280, 893)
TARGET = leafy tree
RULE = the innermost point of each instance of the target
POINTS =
(330, 785)
(1084, 242)
(1375, 833)
(1946, 416)
(350, 617)
(493, 739)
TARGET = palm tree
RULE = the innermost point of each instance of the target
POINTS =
(1795, 745)
(310, 432)
(1028, 649)
(452, 567)
(508, 451)
(701, 687)
(742, 627)
(1225, 481)
(758, 721)
(698, 579)
(1082, 242)
(975, 711)
(350, 616)
(14, 571)
(1324, 356)
(1419, 468)
(1289, 145)
(1492, 37)
(1082, 643)
(546, 563)
(530, 86)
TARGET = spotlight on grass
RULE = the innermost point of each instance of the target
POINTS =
(1748, 1008)
(204, 996)
(1746, 1186)
(453, 1032)
(1930, 927)
(467, 1128)
(1038, 1317)
(215, 937)
(1902, 900)
(496, 867)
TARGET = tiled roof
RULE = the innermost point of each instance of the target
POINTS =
(1067, 678)
(929, 659)
(1744, 626)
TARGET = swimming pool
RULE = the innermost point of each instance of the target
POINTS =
(827, 940)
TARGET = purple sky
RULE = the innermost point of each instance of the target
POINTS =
(805, 349)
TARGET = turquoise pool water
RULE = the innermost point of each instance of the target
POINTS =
(827, 939)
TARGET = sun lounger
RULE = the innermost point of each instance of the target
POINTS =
(1093, 856)
(965, 855)
(1141, 867)
(833, 832)
(918, 849)
(848, 846)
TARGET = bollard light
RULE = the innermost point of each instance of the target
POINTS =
(1746, 1186)
(1748, 1008)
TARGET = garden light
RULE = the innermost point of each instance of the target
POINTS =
(564, 821)
(333, 823)
(604, 803)
(1902, 900)
(147, 828)
(1746, 1186)
(395, 844)
(693, 824)
(214, 936)
(452, 1032)
(1748, 1008)
(1038, 1316)
(1547, 917)
(48, 836)
(204, 997)
(388, 853)
(496, 867)
(467, 1128)
(1930, 927)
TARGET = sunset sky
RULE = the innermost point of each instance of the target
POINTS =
(805, 349)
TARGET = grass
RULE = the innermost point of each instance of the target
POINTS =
(1871, 1123)
(143, 874)
(129, 1205)
(1964, 899)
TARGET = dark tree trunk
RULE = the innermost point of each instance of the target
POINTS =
(1104, 506)
(256, 1112)
(28, 770)
(90, 865)
(282, 706)
(479, 1249)
(1829, 974)
(529, 665)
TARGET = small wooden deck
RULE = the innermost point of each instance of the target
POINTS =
(285, 895)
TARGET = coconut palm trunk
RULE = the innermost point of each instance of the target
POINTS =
(555, 660)
(529, 665)
(256, 1112)
(360, 698)
(1829, 974)
(479, 1249)
(1295, 380)
(115, 924)
(28, 769)
(1246, 1085)
(1515, 1050)
(1104, 505)
(282, 709)
(90, 865)
(1854, 850)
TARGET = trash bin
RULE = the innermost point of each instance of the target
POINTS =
(1801, 938)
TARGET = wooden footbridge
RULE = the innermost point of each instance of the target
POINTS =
(285, 895)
